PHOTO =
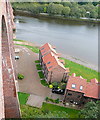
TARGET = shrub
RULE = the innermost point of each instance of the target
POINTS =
(55, 84)
(47, 99)
(57, 100)
(20, 76)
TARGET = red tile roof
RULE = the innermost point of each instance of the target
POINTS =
(46, 48)
(49, 55)
(90, 89)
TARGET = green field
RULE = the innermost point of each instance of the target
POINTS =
(81, 70)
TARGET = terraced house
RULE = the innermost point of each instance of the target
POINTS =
(53, 67)
(79, 91)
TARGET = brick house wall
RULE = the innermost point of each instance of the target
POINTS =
(73, 97)
(57, 74)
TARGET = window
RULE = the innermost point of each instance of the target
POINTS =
(69, 94)
(81, 87)
(48, 62)
(50, 67)
(73, 86)
(78, 96)
(42, 48)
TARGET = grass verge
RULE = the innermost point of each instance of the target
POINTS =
(41, 75)
(37, 61)
(18, 40)
(81, 70)
(38, 66)
(33, 48)
(23, 97)
(43, 82)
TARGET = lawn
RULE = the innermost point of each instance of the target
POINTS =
(32, 112)
(73, 113)
(33, 48)
(23, 97)
(44, 82)
(41, 75)
(81, 70)
(38, 66)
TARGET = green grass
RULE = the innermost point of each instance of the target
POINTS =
(73, 113)
(32, 112)
(38, 66)
(33, 48)
(23, 97)
(43, 82)
(81, 70)
(37, 61)
(41, 75)
(18, 40)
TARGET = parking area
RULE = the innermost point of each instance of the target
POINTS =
(26, 65)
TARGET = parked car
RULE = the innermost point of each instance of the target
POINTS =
(58, 91)
(17, 57)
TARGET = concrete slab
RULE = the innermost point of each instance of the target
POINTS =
(35, 101)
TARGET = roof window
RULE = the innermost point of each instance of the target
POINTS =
(42, 48)
(73, 86)
(50, 67)
(81, 87)
(48, 62)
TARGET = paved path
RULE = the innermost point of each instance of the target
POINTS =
(26, 66)
(35, 101)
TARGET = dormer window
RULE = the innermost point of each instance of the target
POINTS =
(42, 48)
(50, 67)
(73, 86)
(48, 62)
(81, 87)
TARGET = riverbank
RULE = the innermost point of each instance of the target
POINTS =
(73, 20)
(87, 71)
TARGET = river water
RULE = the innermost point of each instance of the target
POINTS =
(79, 41)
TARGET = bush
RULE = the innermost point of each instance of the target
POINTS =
(55, 84)
(57, 100)
(47, 99)
(20, 76)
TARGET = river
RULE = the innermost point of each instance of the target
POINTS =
(73, 40)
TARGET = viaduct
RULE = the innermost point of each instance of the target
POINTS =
(9, 105)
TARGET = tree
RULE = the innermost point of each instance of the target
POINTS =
(91, 110)
(66, 11)
(54, 9)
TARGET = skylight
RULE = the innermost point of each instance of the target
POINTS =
(73, 86)
(81, 87)
(50, 67)
(42, 48)
(48, 62)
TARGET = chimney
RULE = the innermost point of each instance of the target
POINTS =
(73, 75)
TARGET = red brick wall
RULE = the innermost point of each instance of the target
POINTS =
(8, 63)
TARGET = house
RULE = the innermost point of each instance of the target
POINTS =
(79, 91)
(53, 67)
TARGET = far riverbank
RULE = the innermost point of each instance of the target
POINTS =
(73, 20)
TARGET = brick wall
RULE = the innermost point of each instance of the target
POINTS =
(11, 106)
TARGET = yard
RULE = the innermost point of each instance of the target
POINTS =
(47, 110)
